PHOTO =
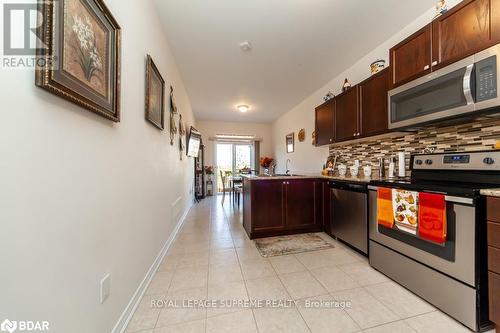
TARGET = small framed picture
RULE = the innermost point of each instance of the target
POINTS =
(290, 143)
(155, 95)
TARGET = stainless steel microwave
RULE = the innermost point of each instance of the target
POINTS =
(462, 88)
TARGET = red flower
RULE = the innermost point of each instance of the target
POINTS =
(265, 162)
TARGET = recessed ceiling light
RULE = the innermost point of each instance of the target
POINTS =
(246, 46)
(243, 108)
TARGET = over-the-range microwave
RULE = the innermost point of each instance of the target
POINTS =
(462, 88)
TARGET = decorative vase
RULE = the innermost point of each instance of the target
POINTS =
(209, 187)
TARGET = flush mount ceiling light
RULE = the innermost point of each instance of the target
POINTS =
(243, 108)
(246, 46)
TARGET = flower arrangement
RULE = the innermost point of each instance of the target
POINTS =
(89, 57)
(266, 162)
(209, 170)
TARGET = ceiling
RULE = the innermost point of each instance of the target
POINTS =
(298, 46)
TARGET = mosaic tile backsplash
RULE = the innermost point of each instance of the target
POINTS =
(480, 134)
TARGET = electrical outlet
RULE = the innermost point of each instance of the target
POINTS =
(105, 287)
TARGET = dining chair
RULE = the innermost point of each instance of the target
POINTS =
(237, 189)
(224, 185)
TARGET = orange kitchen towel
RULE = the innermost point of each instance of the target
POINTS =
(384, 207)
(432, 217)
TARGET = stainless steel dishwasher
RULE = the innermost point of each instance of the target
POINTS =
(349, 214)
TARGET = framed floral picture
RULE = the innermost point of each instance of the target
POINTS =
(155, 95)
(83, 39)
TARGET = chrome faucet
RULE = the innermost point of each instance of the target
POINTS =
(287, 170)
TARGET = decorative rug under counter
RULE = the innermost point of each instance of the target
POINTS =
(283, 245)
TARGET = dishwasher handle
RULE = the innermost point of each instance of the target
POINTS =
(348, 186)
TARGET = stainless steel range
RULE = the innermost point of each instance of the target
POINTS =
(451, 275)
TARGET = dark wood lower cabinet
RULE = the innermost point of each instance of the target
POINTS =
(299, 204)
(263, 206)
(494, 299)
(493, 216)
(278, 207)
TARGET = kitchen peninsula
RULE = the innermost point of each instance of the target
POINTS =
(279, 205)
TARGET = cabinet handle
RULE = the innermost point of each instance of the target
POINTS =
(331, 140)
(426, 67)
(434, 63)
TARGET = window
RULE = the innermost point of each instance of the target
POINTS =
(233, 157)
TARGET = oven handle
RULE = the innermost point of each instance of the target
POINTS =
(461, 200)
(467, 84)
(449, 198)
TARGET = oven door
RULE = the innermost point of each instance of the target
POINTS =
(455, 258)
(445, 93)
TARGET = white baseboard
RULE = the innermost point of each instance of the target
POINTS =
(132, 305)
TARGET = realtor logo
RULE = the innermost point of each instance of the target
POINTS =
(20, 29)
(8, 326)
(23, 326)
(22, 44)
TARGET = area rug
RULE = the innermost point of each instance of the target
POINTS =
(283, 245)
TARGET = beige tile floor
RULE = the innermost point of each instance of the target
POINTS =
(212, 258)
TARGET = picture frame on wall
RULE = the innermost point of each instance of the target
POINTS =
(290, 142)
(155, 95)
(82, 40)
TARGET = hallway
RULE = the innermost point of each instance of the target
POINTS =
(213, 259)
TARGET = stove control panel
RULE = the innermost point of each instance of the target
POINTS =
(489, 160)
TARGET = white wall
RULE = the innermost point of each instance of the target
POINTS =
(81, 196)
(211, 128)
(308, 158)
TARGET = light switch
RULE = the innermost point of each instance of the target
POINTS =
(105, 288)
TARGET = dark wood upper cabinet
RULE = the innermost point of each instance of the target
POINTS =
(412, 57)
(347, 115)
(324, 119)
(466, 29)
(300, 204)
(373, 103)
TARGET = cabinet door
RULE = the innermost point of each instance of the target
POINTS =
(494, 296)
(412, 57)
(373, 104)
(346, 115)
(326, 207)
(466, 29)
(267, 206)
(300, 204)
(325, 116)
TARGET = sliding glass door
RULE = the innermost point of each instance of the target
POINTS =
(232, 158)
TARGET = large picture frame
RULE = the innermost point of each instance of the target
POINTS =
(155, 95)
(83, 40)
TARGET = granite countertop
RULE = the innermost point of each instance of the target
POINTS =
(491, 192)
(313, 176)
